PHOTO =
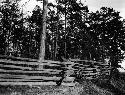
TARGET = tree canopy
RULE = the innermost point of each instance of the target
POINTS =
(72, 32)
(11, 29)
(107, 31)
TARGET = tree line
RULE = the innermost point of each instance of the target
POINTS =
(72, 32)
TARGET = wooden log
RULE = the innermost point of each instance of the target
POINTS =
(86, 71)
(12, 76)
(7, 76)
(28, 83)
(30, 63)
(29, 78)
(19, 80)
(19, 62)
(93, 74)
(16, 67)
(52, 62)
(31, 72)
(78, 60)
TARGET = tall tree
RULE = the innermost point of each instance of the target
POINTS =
(74, 14)
(31, 39)
(54, 30)
(43, 32)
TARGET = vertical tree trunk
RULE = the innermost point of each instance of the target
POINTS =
(65, 32)
(43, 32)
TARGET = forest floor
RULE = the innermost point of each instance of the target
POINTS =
(85, 87)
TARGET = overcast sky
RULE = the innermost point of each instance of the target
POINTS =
(118, 5)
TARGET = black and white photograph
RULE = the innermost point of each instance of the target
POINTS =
(62, 47)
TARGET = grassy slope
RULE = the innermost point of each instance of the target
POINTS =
(84, 88)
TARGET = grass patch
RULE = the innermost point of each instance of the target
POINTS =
(84, 87)
(106, 84)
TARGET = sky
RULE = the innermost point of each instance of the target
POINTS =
(29, 5)
(93, 5)
(118, 5)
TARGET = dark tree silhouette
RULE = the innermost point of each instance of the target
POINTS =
(33, 32)
(11, 29)
(107, 31)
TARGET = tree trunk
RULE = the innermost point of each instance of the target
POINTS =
(43, 32)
